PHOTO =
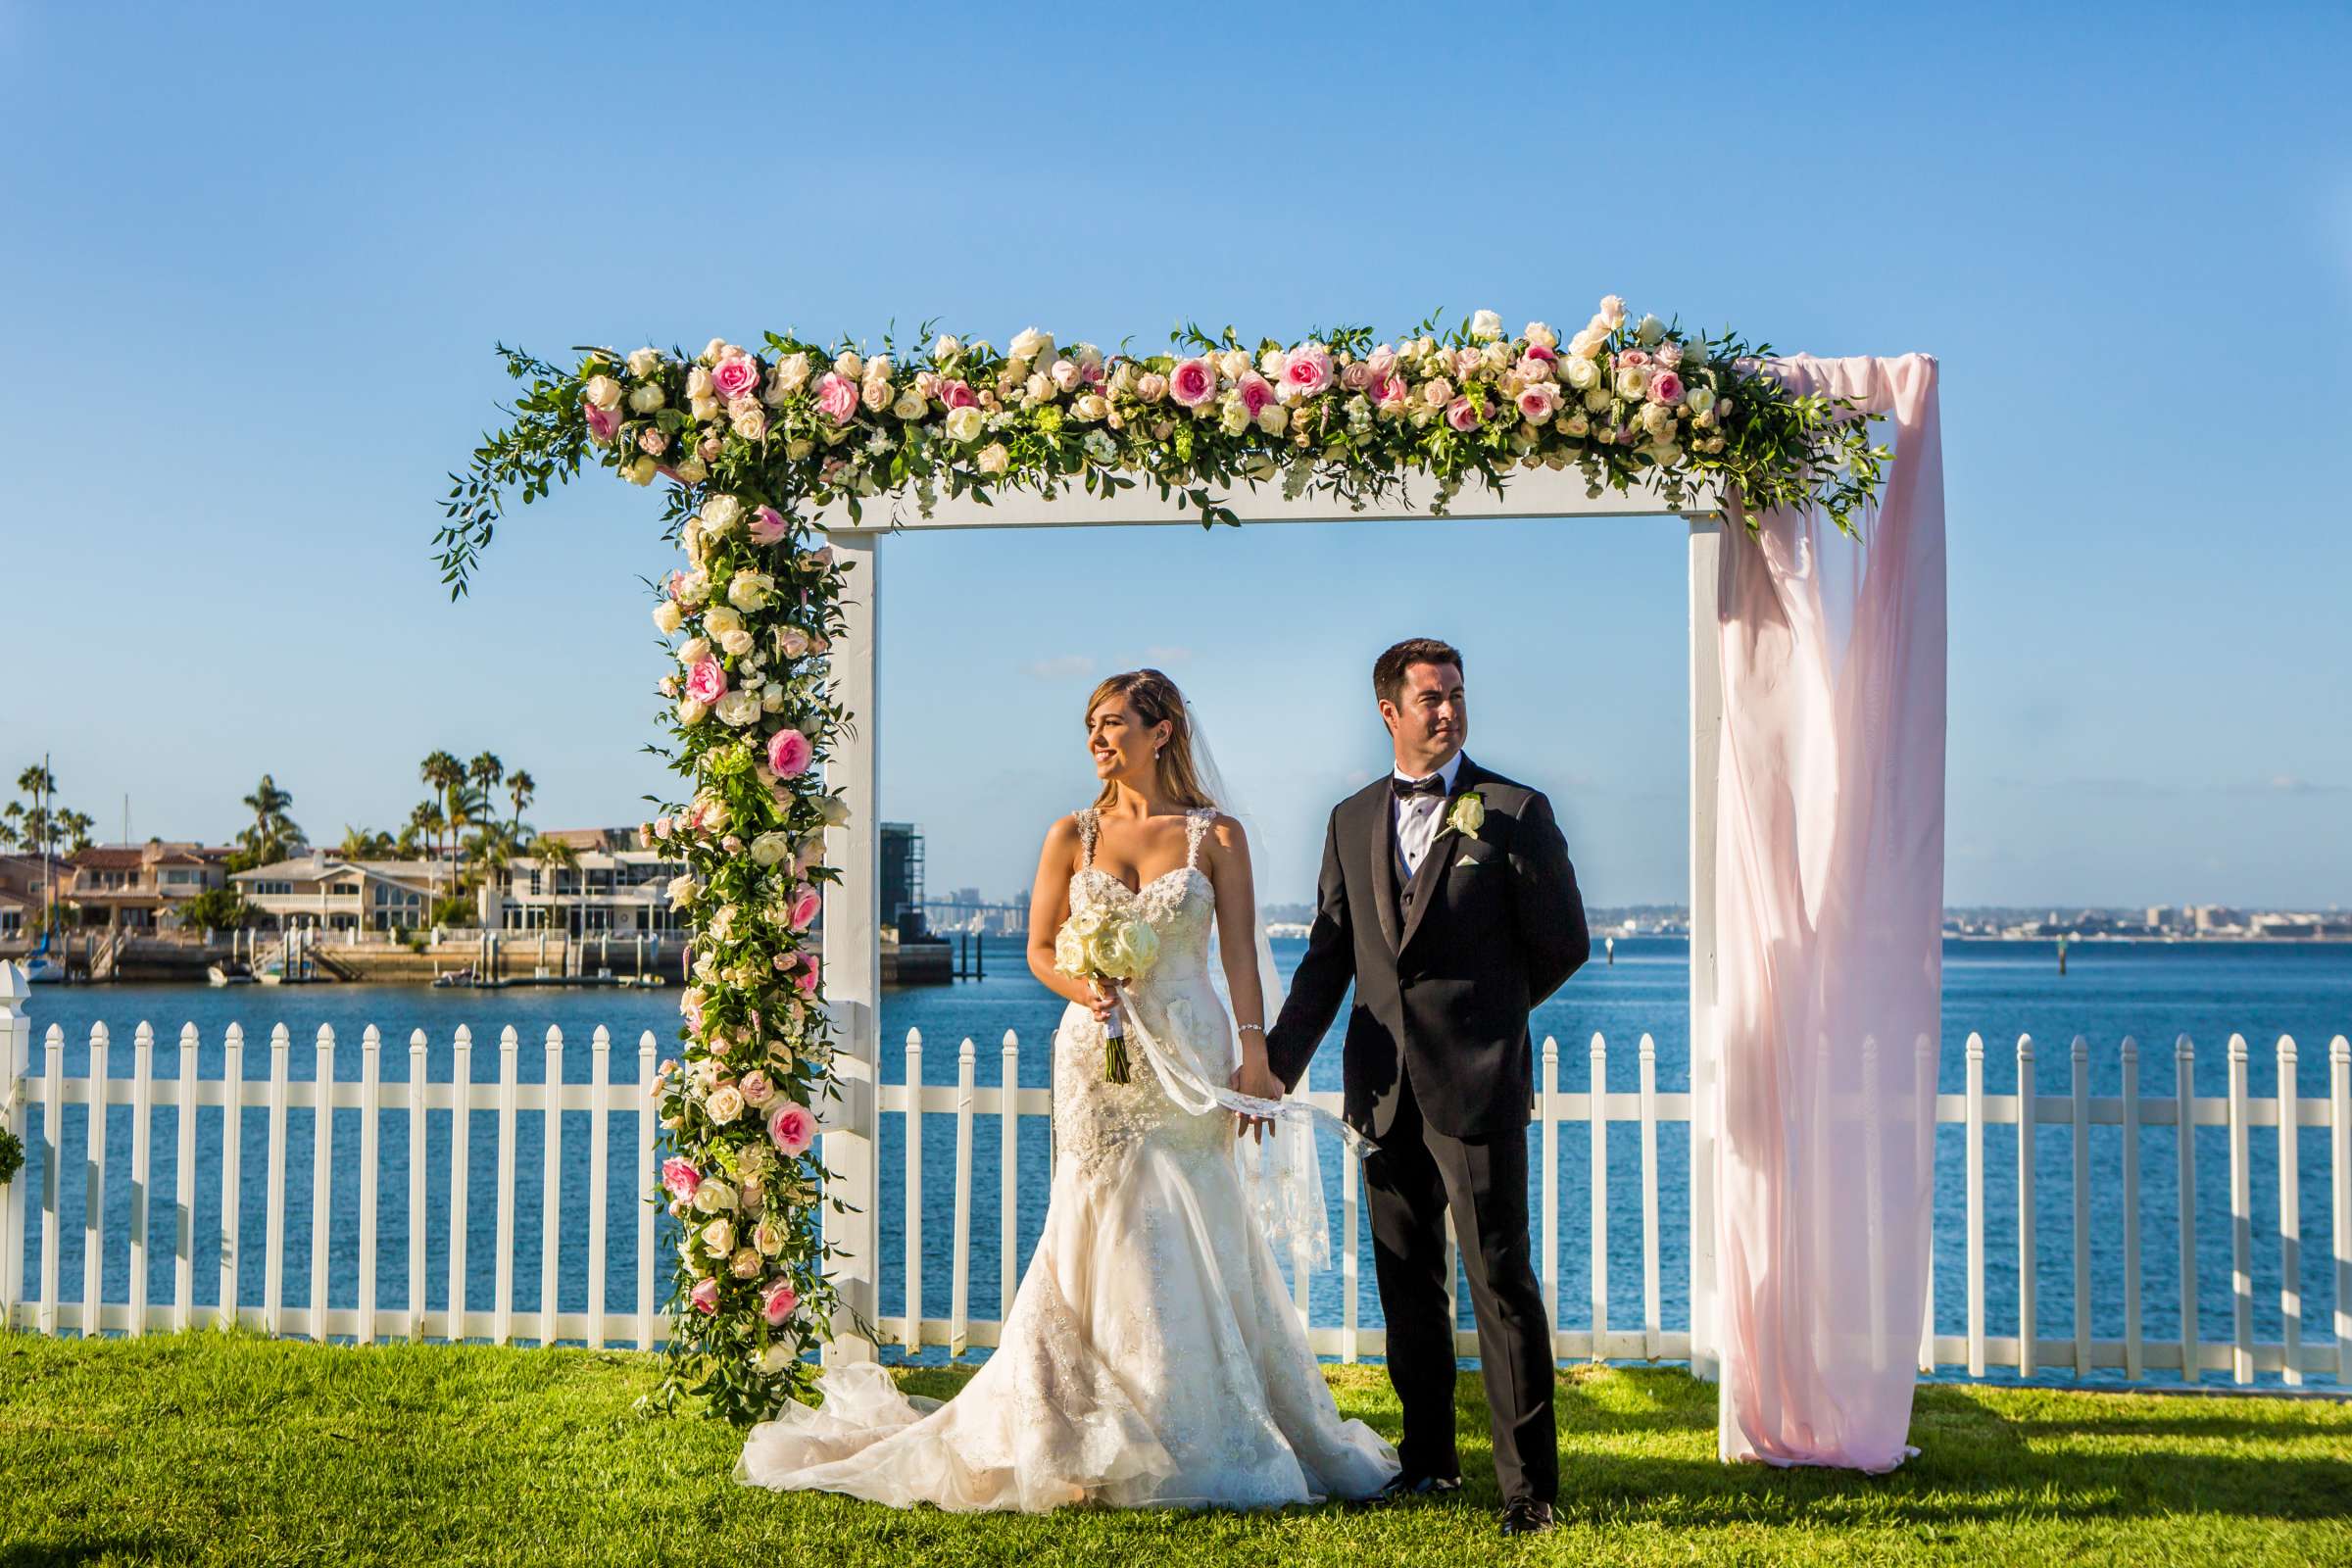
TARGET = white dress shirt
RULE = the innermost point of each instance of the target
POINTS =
(1418, 817)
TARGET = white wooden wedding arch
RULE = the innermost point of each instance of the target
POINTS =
(852, 963)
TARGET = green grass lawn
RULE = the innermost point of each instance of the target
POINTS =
(206, 1448)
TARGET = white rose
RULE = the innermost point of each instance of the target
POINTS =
(693, 650)
(1612, 312)
(681, 890)
(992, 458)
(1486, 326)
(691, 712)
(836, 810)
(751, 590)
(1579, 373)
(668, 617)
(719, 1237)
(1234, 417)
(945, 347)
(737, 641)
(698, 385)
(602, 391)
(714, 350)
(1030, 344)
(721, 512)
(1038, 388)
(1233, 365)
(1273, 419)
(694, 470)
(694, 588)
(1700, 399)
(910, 407)
(725, 1106)
(645, 362)
(779, 1354)
(965, 424)
(1270, 363)
(1540, 336)
(1596, 401)
(738, 708)
(715, 1196)
(719, 619)
(1632, 380)
(1093, 406)
(769, 1237)
(646, 399)
(772, 848)
(1651, 332)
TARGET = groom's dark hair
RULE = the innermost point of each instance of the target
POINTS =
(1388, 670)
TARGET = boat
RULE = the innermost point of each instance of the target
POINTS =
(234, 972)
(40, 969)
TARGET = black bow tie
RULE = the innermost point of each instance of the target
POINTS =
(1406, 789)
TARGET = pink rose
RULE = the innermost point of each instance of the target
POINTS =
(807, 977)
(836, 395)
(1356, 377)
(706, 683)
(788, 753)
(1386, 386)
(1192, 382)
(704, 1297)
(677, 580)
(1670, 354)
(1382, 363)
(653, 441)
(735, 377)
(603, 424)
(767, 526)
(791, 1128)
(1632, 357)
(1466, 362)
(756, 1088)
(689, 1006)
(663, 826)
(1306, 370)
(777, 1301)
(1665, 388)
(957, 395)
(1257, 392)
(1150, 386)
(1463, 414)
(805, 903)
(1536, 350)
(679, 1177)
(1538, 402)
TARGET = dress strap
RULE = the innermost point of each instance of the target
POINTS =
(1196, 828)
(1090, 822)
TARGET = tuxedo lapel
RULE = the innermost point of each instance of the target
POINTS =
(1430, 876)
(1382, 810)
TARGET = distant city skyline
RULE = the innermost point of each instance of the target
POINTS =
(2127, 272)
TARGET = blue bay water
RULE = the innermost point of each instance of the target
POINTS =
(2152, 991)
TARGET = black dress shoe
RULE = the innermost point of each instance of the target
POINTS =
(1525, 1518)
(1404, 1485)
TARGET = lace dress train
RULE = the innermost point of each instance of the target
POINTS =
(1151, 1358)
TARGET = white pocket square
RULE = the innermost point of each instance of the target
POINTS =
(1467, 860)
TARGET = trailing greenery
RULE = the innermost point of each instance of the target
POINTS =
(206, 1449)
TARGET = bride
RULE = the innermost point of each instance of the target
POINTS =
(1151, 1358)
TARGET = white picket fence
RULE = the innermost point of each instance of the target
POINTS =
(1607, 1114)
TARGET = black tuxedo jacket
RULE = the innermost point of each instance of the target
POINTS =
(1447, 970)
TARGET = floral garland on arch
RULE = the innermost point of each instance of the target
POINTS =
(756, 441)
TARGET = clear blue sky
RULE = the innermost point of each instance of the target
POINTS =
(254, 259)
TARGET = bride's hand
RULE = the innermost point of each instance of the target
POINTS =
(1102, 1002)
(1256, 1080)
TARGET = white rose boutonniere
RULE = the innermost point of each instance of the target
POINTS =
(1467, 815)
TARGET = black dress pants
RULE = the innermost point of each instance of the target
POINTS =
(1416, 1175)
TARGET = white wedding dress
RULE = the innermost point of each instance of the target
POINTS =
(1151, 1358)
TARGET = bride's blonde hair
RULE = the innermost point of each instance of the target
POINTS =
(1155, 699)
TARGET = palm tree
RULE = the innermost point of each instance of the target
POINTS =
(422, 828)
(552, 852)
(273, 831)
(74, 828)
(14, 833)
(523, 789)
(442, 772)
(468, 807)
(364, 844)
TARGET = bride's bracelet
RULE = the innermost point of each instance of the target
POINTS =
(1248, 1028)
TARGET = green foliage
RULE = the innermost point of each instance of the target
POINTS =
(12, 1155)
(222, 908)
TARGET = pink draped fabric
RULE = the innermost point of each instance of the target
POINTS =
(1828, 934)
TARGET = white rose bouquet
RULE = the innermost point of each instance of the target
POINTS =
(1107, 947)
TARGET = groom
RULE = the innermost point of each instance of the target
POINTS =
(1448, 899)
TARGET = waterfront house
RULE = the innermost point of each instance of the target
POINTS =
(324, 892)
(137, 886)
(615, 887)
